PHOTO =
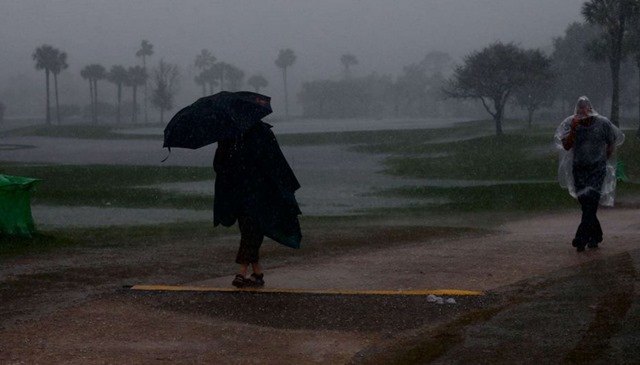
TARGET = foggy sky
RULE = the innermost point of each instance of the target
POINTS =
(384, 35)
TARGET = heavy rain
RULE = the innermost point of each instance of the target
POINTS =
(426, 138)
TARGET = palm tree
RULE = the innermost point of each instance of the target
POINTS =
(203, 62)
(199, 79)
(615, 18)
(118, 75)
(235, 77)
(146, 49)
(209, 77)
(165, 78)
(218, 71)
(286, 58)
(46, 58)
(58, 66)
(347, 61)
(136, 76)
(258, 82)
(86, 74)
(93, 73)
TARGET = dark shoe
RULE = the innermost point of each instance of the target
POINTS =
(239, 281)
(594, 242)
(256, 280)
(578, 244)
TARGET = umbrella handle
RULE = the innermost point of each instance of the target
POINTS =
(169, 148)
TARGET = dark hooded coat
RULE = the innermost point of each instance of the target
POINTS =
(253, 178)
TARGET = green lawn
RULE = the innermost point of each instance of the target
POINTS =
(523, 161)
(522, 165)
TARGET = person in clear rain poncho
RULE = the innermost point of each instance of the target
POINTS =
(587, 141)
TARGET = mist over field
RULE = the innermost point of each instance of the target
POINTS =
(383, 36)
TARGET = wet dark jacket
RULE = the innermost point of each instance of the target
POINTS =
(253, 178)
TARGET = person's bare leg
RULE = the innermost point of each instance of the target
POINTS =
(256, 278)
(241, 278)
(257, 268)
(243, 269)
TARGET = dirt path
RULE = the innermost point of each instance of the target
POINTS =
(103, 324)
(520, 250)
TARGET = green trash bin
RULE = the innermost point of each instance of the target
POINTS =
(620, 174)
(15, 205)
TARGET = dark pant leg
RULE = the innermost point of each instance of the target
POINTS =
(588, 182)
(251, 238)
(589, 230)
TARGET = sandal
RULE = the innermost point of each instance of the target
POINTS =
(256, 280)
(239, 281)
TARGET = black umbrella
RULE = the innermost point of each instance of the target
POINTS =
(215, 117)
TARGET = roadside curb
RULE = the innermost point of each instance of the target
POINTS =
(171, 288)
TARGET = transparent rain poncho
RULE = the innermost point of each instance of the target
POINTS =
(565, 167)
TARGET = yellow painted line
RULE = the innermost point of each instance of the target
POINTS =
(306, 291)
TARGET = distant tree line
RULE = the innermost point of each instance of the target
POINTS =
(163, 79)
(415, 93)
(597, 58)
(590, 59)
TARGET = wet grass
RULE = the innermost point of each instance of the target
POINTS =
(115, 186)
(507, 157)
(82, 131)
(377, 141)
(521, 167)
(514, 160)
(503, 197)
(90, 131)
(521, 164)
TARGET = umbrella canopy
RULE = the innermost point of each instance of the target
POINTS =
(215, 117)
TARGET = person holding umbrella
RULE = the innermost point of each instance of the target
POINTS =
(254, 184)
(588, 141)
